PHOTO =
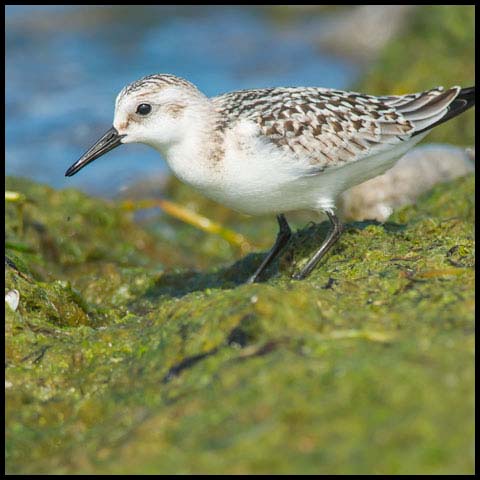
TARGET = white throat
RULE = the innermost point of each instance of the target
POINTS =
(191, 156)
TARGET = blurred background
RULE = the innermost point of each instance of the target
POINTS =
(66, 64)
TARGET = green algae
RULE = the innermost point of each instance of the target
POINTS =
(127, 366)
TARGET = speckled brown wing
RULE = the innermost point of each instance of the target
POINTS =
(331, 127)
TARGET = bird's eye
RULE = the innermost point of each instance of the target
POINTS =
(144, 109)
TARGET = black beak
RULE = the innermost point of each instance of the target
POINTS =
(108, 142)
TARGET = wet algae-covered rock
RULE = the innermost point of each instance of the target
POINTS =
(122, 356)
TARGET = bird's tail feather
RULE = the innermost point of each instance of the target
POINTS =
(439, 108)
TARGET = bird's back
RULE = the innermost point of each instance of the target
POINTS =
(330, 128)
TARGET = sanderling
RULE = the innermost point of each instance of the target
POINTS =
(275, 150)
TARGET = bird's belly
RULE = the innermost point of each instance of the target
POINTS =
(266, 186)
(258, 200)
(259, 181)
(258, 188)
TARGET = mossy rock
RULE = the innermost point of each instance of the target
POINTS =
(365, 367)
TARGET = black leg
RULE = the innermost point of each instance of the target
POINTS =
(331, 239)
(284, 234)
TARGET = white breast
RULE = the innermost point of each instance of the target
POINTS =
(257, 175)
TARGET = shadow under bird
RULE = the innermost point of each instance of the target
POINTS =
(275, 150)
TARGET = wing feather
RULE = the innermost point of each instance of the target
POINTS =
(330, 127)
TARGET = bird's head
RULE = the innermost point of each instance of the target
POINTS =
(157, 110)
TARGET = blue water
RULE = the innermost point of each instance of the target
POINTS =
(66, 64)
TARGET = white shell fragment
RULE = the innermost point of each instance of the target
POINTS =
(12, 298)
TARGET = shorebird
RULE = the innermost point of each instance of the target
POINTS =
(275, 150)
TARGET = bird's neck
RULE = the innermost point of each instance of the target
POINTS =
(195, 158)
